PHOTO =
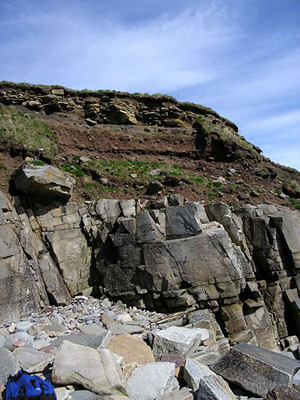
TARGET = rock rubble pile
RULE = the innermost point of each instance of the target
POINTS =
(96, 349)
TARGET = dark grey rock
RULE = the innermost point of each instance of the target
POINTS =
(255, 369)
(44, 180)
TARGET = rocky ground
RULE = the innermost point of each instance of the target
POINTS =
(96, 349)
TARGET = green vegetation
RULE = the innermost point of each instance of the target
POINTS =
(93, 189)
(23, 130)
(74, 169)
(294, 203)
(294, 185)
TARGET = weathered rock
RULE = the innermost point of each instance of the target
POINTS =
(31, 360)
(205, 382)
(182, 221)
(255, 369)
(152, 380)
(8, 365)
(73, 257)
(117, 328)
(97, 371)
(154, 187)
(108, 210)
(131, 348)
(44, 181)
(85, 339)
(182, 394)
(20, 280)
(178, 340)
(86, 395)
(284, 393)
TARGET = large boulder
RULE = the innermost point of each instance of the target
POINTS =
(131, 348)
(205, 382)
(43, 181)
(152, 380)
(255, 369)
(95, 370)
(178, 340)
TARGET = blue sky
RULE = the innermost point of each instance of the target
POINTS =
(239, 57)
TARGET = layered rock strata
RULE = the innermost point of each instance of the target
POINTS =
(242, 266)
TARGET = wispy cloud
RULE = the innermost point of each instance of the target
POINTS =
(219, 53)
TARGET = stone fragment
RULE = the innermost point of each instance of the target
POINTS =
(182, 221)
(85, 339)
(255, 369)
(31, 360)
(154, 187)
(108, 210)
(178, 340)
(182, 394)
(152, 380)
(116, 328)
(131, 348)
(85, 395)
(128, 207)
(93, 329)
(205, 382)
(176, 199)
(23, 326)
(95, 370)
(44, 180)
(284, 393)
(8, 365)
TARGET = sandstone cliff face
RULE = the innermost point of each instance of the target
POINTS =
(243, 266)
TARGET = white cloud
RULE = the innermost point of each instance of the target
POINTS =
(209, 53)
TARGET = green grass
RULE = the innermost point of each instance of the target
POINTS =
(294, 203)
(196, 179)
(73, 168)
(95, 189)
(23, 130)
(125, 169)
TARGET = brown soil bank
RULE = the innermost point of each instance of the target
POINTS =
(115, 144)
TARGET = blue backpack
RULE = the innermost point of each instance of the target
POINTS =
(23, 386)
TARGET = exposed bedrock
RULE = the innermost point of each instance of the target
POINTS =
(241, 266)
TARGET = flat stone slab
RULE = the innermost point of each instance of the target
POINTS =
(178, 340)
(255, 369)
(44, 180)
(31, 360)
(131, 348)
(183, 394)
(152, 380)
(205, 382)
(85, 339)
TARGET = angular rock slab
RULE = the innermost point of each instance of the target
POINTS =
(8, 365)
(44, 180)
(131, 348)
(206, 383)
(152, 380)
(255, 369)
(85, 339)
(95, 370)
(178, 340)
(32, 360)
(183, 394)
